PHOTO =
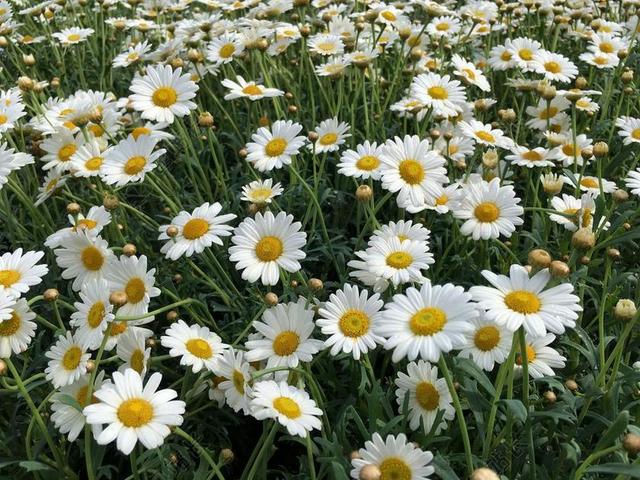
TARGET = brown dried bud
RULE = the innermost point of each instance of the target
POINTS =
(315, 284)
(73, 208)
(620, 196)
(172, 231)
(51, 294)
(91, 366)
(205, 120)
(364, 193)
(584, 238)
(631, 443)
(549, 397)
(539, 258)
(271, 299)
(227, 456)
(263, 121)
(177, 278)
(370, 472)
(600, 149)
(129, 249)
(484, 473)
(581, 83)
(118, 298)
(3, 368)
(172, 316)
(613, 253)
(571, 384)
(313, 136)
(110, 202)
(559, 269)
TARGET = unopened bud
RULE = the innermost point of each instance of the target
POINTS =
(539, 258)
(625, 309)
(584, 238)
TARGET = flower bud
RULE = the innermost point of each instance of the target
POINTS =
(549, 397)
(631, 443)
(227, 455)
(172, 316)
(51, 294)
(118, 298)
(370, 472)
(620, 196)
(205, 120)
(600, 149)
(364, 193)
(271, 299)
(484, 473)
(571, 384)
(584, 238)
(625, 309)
(129, 249)
(3, 368)
(539, 258)
(110, 202)
(559, 269)
(315, 284)
(172, 231)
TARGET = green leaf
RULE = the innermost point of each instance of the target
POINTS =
(517, 409)
(616, 429)
(31, 466)
(633, 471)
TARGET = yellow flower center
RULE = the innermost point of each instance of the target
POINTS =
(93, 163)
(531, 355)
(486, 212)
(275, 147)
(505, 56)
(635, 133)
(486, 136)
(74, 37)
(238, 381)
(85, 224)
(368, 163)
(548, 113)
(118, 328)
(442, 26)
(387, 15)
(269, 248)
(354, 323)
(252, 90)
(227, 50)
(164, 97)
(135, 165)
(260, 195)
(3, 119)
(326, 47)
(552, 67)
(82, 397)
(286, 343)
(395, 468)
(399, 259)
(9, 277)
(411, 171)
(522, 301)
(589, 182)
(287, 407)
(11, 326)
(525, 54)
(569, 150)
(428, 321)
(470, 73)
(442, 199)
(133, 56)
(427, 395)
(601, 60)
(195, 228)
(135, 290)
(607, 47)
(328, 139)
(92, 258)
(66, 151)
(438, 92)
(486, 338)
(71, 358)
(135, 412)
(95, 315)
(199, 348)
(532, 156)
(137, 361)
(139, 131)
(583, 103)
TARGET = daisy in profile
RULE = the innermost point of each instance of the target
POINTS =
(364, 275)
(600, 60)
(554, 67)
(489, 210)
(236, 372)
(427, 322)
(154, 130)
(261, 192)
(67, 361)
(10, 161)
(19, 272)
(581, 211)
(569, 152)
(485, 134)
(266, 243)
(331, 134)
(225, 48)
(163, 93)
(448, 199)
(83, 258)
(251, 90)
(395, 457)
(349, 317)
(132, 350)
(428, 395)
(130, 160)
(134, 412)
(196, 231)
(629, 129)
(363, 162)
(402, 230)
(546, 115)
(130, 275)
(469, 73)
(273, 148)
(16, 326)
(67, 419)
(53, 181)
(93, 313)
(398, 261)
(487, 343)
(632, 181)
(87, 160)
(443, 95)
(412, 169)
(518, 300)
(592, 185)
(134, 54)
(72, 36)
(530, 157)
(541, 359)
(286, 336)
(95, 220)
(290, 406)
(197, 347)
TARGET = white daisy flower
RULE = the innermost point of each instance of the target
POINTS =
(541, 359)
(363, 162)
(402, 230)
(629, 129)
(130, 275)
(197, 347)
(87, 161)
(134, 54)
(518, 300)
(428, 395)
(326, 44)
(487, 343)
(470, 73)
(72, 36)
(59, 148)
(443, 95)
(426, 323)
(130, 160)
(523, 51)
(68, 360)
(134, 412)
(395, 457)
(251, 90)
(154, 130)
(274, 148)
(96, 219)
(236, 372)
(600, 60)
(632, 181)
(10, 161)
(261, 192)
(448, 199)
(349, 317)
(331, 134)
(545, 116)
(569, 152)
(163, 93)
(16, 326)
(286, 337)
(19, 272)
(501, 58)
(225, 48)
(554, 67)
(290, 406)
(52, 182)
(93, 313)
(196, 231)
(590, 184)
(266, 243)
(398, 261)
(83, 258)
(485, 134)
(443, 26)
(530, 157)
(131, 349)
